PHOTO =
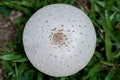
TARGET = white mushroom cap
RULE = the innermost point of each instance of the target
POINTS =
(59, 40)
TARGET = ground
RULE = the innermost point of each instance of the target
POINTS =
(7, 32)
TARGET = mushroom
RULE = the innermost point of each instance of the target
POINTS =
(59, 40)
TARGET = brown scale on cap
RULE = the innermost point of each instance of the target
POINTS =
(61, 30)
(53, 29)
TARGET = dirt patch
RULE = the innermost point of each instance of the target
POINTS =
(7, 32)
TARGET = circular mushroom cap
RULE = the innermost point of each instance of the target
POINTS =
(59, 40)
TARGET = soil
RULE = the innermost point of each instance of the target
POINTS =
(7, 32)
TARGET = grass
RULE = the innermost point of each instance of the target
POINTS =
(104, 65)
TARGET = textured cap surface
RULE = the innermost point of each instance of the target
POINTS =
(59, 40)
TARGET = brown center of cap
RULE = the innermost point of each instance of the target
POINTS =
(59, 38)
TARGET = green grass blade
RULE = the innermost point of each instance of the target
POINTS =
(109, 4)
(8, 57)
(21, 68)
(64, 78)
(118, 2)
(95, 69)
(101, 3)
(17, 6)
(5, 10)
(39, 76)
(108, 47)
(110, 74)
(108, 63)
(16, 70)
